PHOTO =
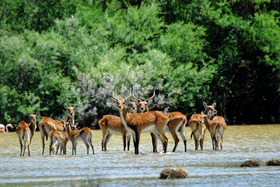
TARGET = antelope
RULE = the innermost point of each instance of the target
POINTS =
(198, 127)
(177, 122)
(216, 127)
(74, 135)
(59, 139)
(112, 125)
(152, 121)
(25, 132)
(47, 124)
(5, 129)
(143, 105)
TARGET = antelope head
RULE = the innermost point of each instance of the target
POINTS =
(144, 103)
(210, 109)
(71, 113)
(134, 108)
(121, 102)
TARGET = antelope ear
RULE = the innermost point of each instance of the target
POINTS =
(38, 113)
(205, 104)
(214, 104)
(65, 106)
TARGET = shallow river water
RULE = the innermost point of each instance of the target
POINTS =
(116, 167)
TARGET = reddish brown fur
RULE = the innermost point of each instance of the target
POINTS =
(85, 134)
(175, 119)
(25, 132)
(60, 139)
(155, 120)
(216, 127)
(111, 123)
(140, 122)
(177, 122)
(198, 130)
(47, 124)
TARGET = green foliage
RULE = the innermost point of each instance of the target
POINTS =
(184, 42)
(18, 15)
(80, 52)
(266, 35)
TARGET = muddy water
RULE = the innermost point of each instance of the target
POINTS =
(118, 168)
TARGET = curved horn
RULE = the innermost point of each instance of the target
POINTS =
(114, 96)
(123, 98)
(152, 96)
(136, 98)
(128, 96)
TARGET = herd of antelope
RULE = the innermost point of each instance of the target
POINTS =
(129, 123)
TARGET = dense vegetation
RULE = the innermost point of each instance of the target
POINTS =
(79, 51)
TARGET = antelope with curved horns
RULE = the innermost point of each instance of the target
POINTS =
(25, 132)
(177, 122)
(5, 129)
(47, 124)
(144, 103)
(216, 127)
(152, 121)
(74, 135)
(112, 125)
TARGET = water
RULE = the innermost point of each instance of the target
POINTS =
(122, 168)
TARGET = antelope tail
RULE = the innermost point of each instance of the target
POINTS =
(192, 133)
(196, 127)
(42, 128)
(23, 133)
(216, 128)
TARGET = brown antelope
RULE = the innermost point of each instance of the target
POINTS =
(143, 105)
(58, 139)
(198, 129)
(177, 122)
(47, 124)
(74, 135)
(25, 132)
(112, 125)
(5, 129)
(152, 121)
(216, 127)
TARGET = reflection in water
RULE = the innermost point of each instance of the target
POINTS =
(123, 168)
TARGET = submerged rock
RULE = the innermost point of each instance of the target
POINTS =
(173, 173)
(273, 162)
(251, 163)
